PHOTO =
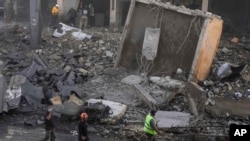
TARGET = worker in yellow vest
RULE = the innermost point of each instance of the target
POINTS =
(54, 14)
(150, 126)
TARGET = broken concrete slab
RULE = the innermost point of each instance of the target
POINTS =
(132, 79)
(73, 98)
(179, 44)
(14, 91)
(33, 94)
(145, 96)
(168, 119)
(66, 90)
(226, 108)
(13, 97)
(17, 80)
(68, 108)
(197, 95)
(167, 82)
(117, 110)
(56, 100)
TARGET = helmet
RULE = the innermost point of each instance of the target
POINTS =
(57, 5)
(84, 116)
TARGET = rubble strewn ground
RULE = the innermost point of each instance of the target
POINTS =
(92, 62)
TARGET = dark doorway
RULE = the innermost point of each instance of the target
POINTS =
(125, 8)
(101, 11)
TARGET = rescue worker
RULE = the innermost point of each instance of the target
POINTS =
(54, 14)
(83, 128)
(83, 20)
(150, 126)
(72, 16)
(91, 15)
(49, 126)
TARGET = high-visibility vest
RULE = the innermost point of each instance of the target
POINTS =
(147, 128)
(54, 10)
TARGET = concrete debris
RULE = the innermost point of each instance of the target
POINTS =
(168, 119)
(68, 108)
(145, 96)
(117, 110)
(33, 94)
(132, 79)
(167, 82)
(73, 98)
(235, 40)
(224, 71)
(56, 100)
(13, 97)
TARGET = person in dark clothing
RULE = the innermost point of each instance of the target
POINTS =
(91, 15)
(83, 128)
(49, 126)
(150, 126)
(72, 17)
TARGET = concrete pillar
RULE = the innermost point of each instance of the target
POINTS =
(113, 18)
(35, 23)
(205, 5)
(8, 11)
(61, 8)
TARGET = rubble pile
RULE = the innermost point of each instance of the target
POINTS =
(65, 72)
(230, 71)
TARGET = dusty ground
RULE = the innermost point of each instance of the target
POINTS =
(103, 81)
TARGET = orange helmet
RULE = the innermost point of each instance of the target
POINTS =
(84, 116)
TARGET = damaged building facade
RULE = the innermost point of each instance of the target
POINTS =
(113, 13)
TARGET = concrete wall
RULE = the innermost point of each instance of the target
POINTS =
(180, 44)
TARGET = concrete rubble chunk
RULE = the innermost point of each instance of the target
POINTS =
(67, 108)
(65, 90)
(31, 70)
(168, 119)
(14, 91)
(132, 79)
(13, 97)
(145, 96)
(56, 100)
(117, 110)
(224, 71)
(73, 98)
(197, 97)
(41, 61)
(167, 82)
(33, 94)
(70, 80)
